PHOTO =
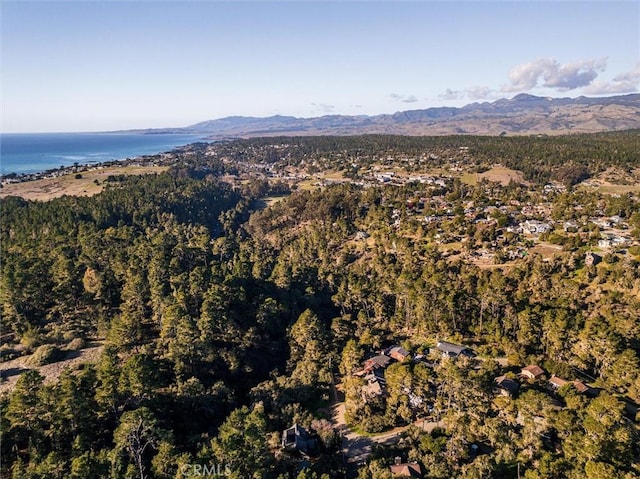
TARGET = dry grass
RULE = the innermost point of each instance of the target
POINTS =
(615, 181)
(499, 174)
(618, 189)
(47, 189)
(470, 178)
(547, 250)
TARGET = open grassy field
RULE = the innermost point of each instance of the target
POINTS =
(498, 174)
(46, 189)
(619, 189)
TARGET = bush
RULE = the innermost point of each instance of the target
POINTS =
(45, 354)
(76, 344)
(374, 424)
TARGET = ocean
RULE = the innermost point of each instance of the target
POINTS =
(36, 152)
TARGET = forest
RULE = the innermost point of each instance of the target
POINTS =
(224, 321)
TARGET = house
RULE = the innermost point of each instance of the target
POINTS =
(605, 243)
(506, 386)
(612, 241)
(556, 383)
(296, 438)
(372, 390)
(376, 375)
(399, 353)
(454, 350)
(585, 389)
(405, 469)
(570, 227)
(535, 227)
(532, 372)
(379, 361)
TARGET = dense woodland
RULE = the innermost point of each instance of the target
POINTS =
(224, 322)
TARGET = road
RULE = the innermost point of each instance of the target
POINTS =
(356, 448)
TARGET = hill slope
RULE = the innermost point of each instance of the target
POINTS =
(522, 114)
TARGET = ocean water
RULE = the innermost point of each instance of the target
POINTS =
(37, 152)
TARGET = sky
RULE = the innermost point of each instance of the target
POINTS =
(109, 65)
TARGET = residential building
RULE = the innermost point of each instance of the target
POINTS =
(405, 469)
(297, 438)
(453, 350)
(399, 353)
(556, 383)
(506, 386)
(532, 371)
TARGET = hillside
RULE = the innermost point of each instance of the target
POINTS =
(522, 114)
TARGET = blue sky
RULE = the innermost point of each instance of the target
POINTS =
(94, 65)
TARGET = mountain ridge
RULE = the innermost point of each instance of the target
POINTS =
(522, 114)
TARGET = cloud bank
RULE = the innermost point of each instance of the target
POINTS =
(549, 73)
(628, 82)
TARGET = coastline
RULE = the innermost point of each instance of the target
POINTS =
(84, 179)
(28, 156)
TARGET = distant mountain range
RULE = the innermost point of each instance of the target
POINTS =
(522, 114)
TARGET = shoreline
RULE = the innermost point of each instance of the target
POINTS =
(39, 156)
(147, 160)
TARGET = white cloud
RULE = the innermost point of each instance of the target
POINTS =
(323, 107)
(627, 82)
(473, 93)
(479, 93)
(450, 95)
(632, 76)
(549, 73)
(403, 98)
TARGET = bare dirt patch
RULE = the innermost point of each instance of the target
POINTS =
(11, 370)
(503, 175)
(547, 250)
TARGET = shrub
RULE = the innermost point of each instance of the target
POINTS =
(45, 354)
(76, 344)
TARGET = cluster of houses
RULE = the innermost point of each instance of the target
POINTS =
(374, 367)
(509, 386)
(524, 218)
(373, 372)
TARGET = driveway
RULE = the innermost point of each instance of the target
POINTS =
(356, 448)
